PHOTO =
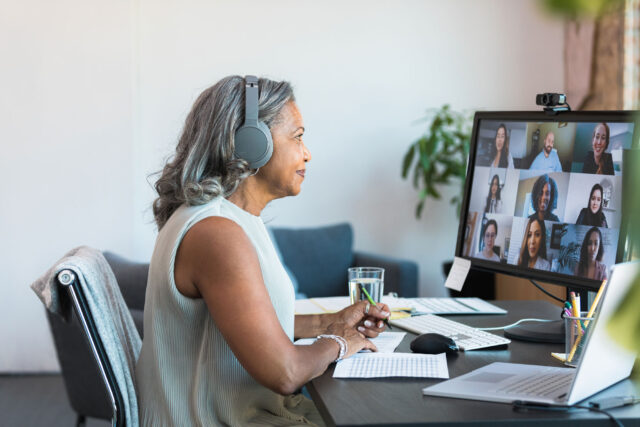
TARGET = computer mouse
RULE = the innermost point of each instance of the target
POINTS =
(433, 344)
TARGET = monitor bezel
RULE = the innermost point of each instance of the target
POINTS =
(535, 116)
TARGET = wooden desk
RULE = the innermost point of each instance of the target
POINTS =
(399, 401)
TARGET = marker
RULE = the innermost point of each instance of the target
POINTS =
(373, 303)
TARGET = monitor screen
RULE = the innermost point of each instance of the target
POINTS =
(543, 194)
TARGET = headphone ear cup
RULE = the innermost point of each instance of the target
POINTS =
(254, 144)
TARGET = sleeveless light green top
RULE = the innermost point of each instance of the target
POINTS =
(186, 373)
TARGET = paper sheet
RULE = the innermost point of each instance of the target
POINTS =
(458, 273)
(333, 304)
(379, 365)
(387, 342)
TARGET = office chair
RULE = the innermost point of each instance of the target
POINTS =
(91, 378)
(67, 279)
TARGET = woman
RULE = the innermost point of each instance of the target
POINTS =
(494, 203)
(500, 149)
(219, 308)
(592, 214)
(597, 161)
(591, 253)
(544, 199)
(533, 253)
(489, 240)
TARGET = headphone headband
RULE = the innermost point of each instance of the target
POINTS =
(251, 101)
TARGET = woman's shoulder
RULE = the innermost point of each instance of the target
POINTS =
(542, 264)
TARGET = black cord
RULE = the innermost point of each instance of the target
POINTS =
(519, 405)
(545, 291)
(601, 411)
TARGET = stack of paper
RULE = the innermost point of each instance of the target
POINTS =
(379, 365)
(386, 342)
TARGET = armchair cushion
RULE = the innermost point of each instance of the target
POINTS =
(400, 276)
(318, 257)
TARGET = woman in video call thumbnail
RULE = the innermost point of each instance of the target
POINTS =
(494, 202)
(489, 239)
(533, 253)
(591, 253)
(597, 161)
(500, 149)
(544, 198)
(592, 214)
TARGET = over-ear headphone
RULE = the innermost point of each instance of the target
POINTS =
(253, 141)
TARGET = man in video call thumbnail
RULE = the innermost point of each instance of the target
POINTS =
(547, 160)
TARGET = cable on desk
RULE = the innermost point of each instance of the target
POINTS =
(498, 328)
(600, 406)
(545, 291)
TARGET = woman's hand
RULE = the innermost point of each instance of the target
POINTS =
(356, 341)
(365, 317)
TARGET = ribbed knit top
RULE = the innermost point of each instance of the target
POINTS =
(186, 373)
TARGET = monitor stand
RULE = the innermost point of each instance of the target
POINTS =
(546, 332)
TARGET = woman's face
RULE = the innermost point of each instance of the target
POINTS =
(599, 142)
(545, 196)
(285, 171)
(501, 135)
(593, 244)
(490, 236)
(596, 200)
(494, 188)
(534, 238)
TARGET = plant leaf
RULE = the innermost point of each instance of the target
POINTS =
(406, 162)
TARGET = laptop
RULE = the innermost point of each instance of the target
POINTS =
(604, 362)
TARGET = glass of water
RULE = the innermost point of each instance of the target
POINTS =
(370, 279)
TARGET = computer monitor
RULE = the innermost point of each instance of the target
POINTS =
(543, 195)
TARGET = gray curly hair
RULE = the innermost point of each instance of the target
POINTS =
(204, 165)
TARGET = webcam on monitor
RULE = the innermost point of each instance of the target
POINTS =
(553, 103)
(551, 99)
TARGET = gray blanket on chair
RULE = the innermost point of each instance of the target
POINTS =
(110, 314)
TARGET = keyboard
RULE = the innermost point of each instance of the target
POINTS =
(455, 306)
(554, 385)
(466, 337)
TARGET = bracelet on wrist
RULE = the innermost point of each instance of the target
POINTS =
(341, 342)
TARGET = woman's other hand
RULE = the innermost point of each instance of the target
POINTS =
(356, 341)
(365, 317)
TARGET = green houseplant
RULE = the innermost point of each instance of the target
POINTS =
(440, 156)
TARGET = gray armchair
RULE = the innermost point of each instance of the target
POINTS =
(317, 257)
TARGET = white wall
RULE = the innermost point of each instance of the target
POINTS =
(364, 72)
(66, 163)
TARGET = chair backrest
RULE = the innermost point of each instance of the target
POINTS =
(68, 281)
(318, 257)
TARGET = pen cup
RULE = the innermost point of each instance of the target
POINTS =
(576, 330)
(369, 278)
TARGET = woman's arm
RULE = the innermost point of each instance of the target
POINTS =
(216, 261)
(367, 321)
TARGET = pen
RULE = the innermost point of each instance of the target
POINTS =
(373, 303)
(574, 304)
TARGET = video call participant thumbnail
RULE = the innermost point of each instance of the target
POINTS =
(533, 253)
(592, 214)
(501, 158)
(494, 202)
(547, 160)
(597, 161)
(544, 198)
(591, 253)
(488, 241)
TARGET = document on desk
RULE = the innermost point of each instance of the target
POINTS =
(382, 365)
(432, 305)
(386, 342)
